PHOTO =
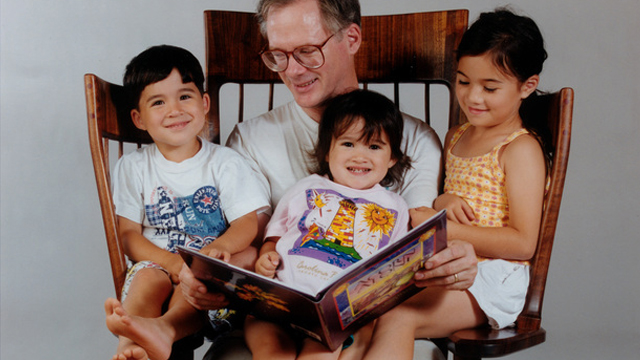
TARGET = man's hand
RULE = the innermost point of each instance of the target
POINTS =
(196, 293)
(453, 268)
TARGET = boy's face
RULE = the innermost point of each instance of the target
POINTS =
(173, 113)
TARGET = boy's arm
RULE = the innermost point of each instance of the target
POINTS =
(139, 248)
(238, 236)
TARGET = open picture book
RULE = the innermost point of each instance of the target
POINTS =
(361, 293)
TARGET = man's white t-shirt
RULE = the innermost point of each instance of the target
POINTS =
(278, 145)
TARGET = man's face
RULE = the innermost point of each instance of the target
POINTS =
(301, 24)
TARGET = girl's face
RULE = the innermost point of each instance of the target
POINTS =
(487, 95)
(357, 164)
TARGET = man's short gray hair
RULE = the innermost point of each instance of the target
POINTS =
(336, 14)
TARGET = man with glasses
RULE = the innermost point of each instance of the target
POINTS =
(312, 46)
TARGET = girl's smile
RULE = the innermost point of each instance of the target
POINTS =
(356, 163)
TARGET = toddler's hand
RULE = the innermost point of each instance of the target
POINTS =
(267, 264)
(458, 210)
(420, 215)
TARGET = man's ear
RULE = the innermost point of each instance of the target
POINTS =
(354, 38)
(137, 119)
(529, 86)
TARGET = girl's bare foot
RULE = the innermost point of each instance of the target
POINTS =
(149, 334)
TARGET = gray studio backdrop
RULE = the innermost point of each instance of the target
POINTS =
(54, 265)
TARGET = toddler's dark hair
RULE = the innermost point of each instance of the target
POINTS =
(380, 115)
(516, 45)
(155, 64)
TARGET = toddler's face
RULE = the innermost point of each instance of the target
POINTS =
(357, 164)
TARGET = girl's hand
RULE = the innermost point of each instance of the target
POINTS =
(458, 210)
(267, 264)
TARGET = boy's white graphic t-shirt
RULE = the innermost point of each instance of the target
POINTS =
(189, 203)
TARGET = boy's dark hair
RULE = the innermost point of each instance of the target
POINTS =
(380, 115)
(516, 45)
(155, 64)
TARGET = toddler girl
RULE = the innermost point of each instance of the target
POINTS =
(336, 217)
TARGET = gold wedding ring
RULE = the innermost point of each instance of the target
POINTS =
(455, 278)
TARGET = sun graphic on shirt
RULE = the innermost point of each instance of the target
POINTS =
(378, 219)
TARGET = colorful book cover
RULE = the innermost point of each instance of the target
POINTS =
(360, 294)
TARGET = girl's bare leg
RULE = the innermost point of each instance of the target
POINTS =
(361, 342)
(312, 350)
(432, 313)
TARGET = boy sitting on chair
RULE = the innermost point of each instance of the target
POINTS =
(180, 191)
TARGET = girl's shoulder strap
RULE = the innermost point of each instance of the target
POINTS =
(514, 135)
(458, 134)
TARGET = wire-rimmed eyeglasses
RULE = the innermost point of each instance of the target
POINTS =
(309, 56)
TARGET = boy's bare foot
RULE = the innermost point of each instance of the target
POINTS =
(149, 334)
(128, 350)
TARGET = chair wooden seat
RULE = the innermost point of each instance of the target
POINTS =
(493, 343)
(110, 125)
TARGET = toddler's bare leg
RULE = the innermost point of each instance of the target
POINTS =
(245, 259)
(312, 350)
(267, 340)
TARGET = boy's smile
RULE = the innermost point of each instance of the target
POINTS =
(173, 113)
